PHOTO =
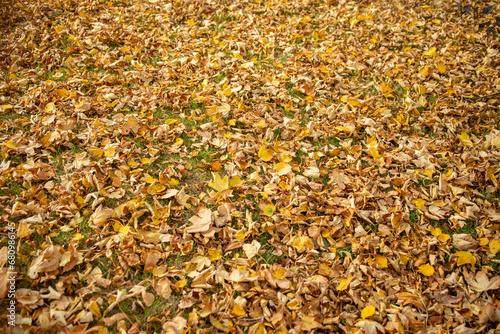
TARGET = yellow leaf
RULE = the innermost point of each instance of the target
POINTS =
(265, 154)
(173, 182)
(50, 107)
(426, 269)
(58, 29)
(269, 210)
(424, 71)
(381, 261)
(386, 89)
(368, 312)
(419, 203)
(344, 283)
(241, 235)
(109, 152)
(372, 141)
(235, 181)
(213, 255)
(443, 237)
(436, 231)
(94, 308)
(181, 283)
(464, 258)
(309, 99)
(191, 23)
(179, 142)
(218, 183)
(463, 136)
(441, 68)
(303, 243)
(483, 241)
(353, 102)
(10, 144)
(305, 19)
(124, 229)
(227, 91)
(431, 52)
(279, 273)
(150, 179)
(238, 310)
(5, 107)
(374, 152)
(155, 189)
(282, 168)
(494, 246)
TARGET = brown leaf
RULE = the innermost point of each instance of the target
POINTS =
(201, 223)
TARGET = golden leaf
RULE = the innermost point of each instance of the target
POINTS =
(374, 152)
(367, 312)
(344, 283)
(235, 181)
(265, 154)
(155, 189)
(426, 269)
(464, 258)
(213, 255)
(419, 203)
(443, 237)
(269, 210)
(110, 152)
(181, 283)
(279, 273)
(238, 310)
(494, 246)
(431, 52)
(219, 184)
(381, 261)
(303, 243)
(441, 68)
(94, 308)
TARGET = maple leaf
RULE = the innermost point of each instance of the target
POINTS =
(483, 283)
(219, 184)
(202, 222)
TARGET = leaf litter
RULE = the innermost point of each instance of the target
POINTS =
(251, 167)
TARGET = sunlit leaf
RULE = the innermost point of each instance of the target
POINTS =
(494, 246)
(265, 154)
(269, 210)
(426, 269)
(367, 312)
(465, 258)
(303, 243)
(344, 283)
(219, 184)
(238, 311)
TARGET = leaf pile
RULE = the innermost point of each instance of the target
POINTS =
(257, 167)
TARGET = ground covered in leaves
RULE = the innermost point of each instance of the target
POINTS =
(250, 166)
